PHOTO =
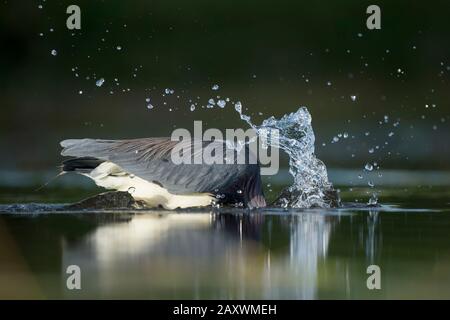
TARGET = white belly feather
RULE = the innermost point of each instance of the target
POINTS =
(112, 177)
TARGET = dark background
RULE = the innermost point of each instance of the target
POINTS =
(258, 52)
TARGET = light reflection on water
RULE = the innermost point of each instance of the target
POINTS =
(295, 255)
(227, 253)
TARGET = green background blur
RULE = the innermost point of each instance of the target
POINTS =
(273, 56)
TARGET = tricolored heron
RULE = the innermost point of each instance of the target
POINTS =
(145, 169)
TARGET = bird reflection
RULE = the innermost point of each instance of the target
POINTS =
(223, 254)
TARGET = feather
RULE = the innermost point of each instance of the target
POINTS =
(150, 159)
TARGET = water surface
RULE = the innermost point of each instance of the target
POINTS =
(228, 253)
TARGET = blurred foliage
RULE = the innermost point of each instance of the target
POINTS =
(272, 55)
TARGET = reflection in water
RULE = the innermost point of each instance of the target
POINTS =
(218, 255)
(373, 238)
(227, 254)
(309, 243)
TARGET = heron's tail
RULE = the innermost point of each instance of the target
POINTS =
(81, 165)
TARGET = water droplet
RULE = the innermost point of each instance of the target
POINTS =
(192, 107)
(54, 52)
(131, 190)
(150, 106)
(371, 150)
(221, 103)
(169, 91)
(353, 98)
(368, 167)
(100, 82)
(345, 135)
(390, 134)
(239, 191)
(147, 100)
(370, 183)
(215, 87)
(238, 106)
(80, 92)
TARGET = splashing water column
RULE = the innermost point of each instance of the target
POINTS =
(311, 187)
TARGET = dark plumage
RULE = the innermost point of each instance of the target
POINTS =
(150, 159)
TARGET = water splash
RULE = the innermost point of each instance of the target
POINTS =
(311, 187)
(373, 201)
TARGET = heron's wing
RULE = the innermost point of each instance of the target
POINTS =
(150, 159)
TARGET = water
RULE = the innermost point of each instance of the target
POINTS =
(100, 82)
(221, 103)
(296, 138)
(228, 253)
